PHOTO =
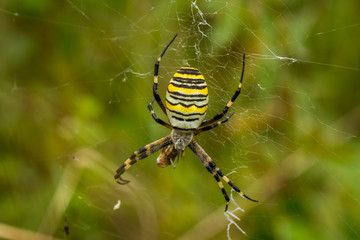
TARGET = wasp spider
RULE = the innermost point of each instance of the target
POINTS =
(186, 105)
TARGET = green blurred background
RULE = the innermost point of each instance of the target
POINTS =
(76, 78)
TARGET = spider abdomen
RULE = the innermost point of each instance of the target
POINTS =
(187, 99)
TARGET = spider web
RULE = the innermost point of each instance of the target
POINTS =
(290, 144)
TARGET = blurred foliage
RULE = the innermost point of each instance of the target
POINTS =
(76, 77)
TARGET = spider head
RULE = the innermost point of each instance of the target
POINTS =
(181, 139)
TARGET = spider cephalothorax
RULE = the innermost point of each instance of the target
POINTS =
(181, 139)
(186, 106)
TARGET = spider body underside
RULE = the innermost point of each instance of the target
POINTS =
(186, 106)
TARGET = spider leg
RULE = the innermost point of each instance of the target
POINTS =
(141, 154)
(156, 76)
(209, 127)
(197, 151)
(158, 120)
(227, 180)
(212, 168)
(232, 100)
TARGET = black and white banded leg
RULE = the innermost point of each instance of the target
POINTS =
(156, 76)
(232, 100)
(216, 172)
(158, 120)
(209, 127)
(141, 154)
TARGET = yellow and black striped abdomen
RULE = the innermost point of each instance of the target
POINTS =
(187, 99)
